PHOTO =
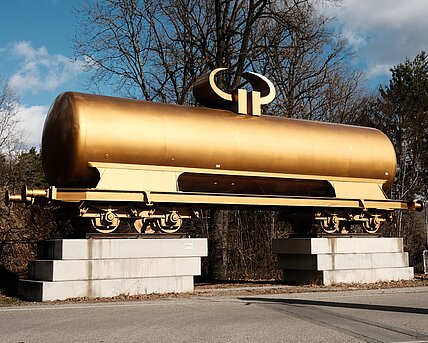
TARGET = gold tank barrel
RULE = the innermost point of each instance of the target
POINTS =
(82, 128)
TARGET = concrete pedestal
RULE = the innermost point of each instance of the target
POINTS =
(330, 261)
(108, 267)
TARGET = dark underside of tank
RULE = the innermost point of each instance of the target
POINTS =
(250, 185)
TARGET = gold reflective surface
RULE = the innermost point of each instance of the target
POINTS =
(82, 128)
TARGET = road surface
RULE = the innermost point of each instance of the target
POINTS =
(387, 315)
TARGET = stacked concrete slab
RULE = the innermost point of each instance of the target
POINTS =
(72, 268)
(330, 261)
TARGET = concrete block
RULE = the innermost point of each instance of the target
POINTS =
(63, 270)
(331, 277)
(61, 290)
(72, 268)
(343, 261)
(75, 249)
(339, 245)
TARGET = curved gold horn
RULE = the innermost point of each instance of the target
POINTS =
(207, 93)
(261, 84)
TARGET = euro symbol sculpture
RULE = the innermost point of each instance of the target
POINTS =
(208, 94)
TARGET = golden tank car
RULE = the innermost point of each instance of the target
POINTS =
(83, 128)
(155, 164)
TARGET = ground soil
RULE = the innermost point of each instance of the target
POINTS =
(235, 288)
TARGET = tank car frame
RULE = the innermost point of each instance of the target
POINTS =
(154, 198)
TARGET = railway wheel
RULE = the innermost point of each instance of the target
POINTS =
(372, 225)
(106, 223)
(330, 224)
(170, 223)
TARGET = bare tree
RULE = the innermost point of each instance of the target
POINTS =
(21, 226)
(155, 50)
(10, 137)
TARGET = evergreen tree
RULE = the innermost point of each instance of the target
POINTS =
(28, 170)
(403, 106)
(402, 114)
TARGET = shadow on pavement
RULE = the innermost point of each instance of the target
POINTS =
(336, 304)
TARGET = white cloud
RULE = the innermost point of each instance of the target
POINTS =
(378, 70)
(31, 123)
(40, 71)
(383, 13)
(354, 39)
(383, 32)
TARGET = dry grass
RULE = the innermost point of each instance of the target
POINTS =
(235, 289)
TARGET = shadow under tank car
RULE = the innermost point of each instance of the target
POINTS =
(152, 165)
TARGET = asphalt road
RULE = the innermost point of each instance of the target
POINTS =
(392, 315)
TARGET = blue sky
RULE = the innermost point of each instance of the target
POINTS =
(36, 46)
(36, 56)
